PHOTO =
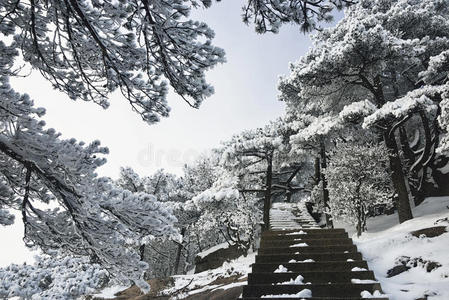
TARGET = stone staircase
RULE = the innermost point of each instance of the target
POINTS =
(297, 260)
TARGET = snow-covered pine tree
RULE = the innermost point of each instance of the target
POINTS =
(88, 49)
(357, 181)
(226, 214)
(436, 79)
(52, 277)
(250, 156)
(378, 53)
(261, 159)
(88, 215)
(167, 256)
(269, 15)
(200, 175)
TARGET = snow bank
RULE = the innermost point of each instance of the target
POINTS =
(387, 241)
(109, 292)
(213, 249)
(196, 283)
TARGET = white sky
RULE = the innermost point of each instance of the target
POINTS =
(245, 97)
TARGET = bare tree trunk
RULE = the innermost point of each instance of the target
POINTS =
(267, 200)
(329, 222)
(398, 178)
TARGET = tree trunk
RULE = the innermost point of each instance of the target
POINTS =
(198, 242)
(408, 158)
(359, 222)
(317, 174)
(267, 200)
(398, 178)
(361, 215)
(329, 222)
(142, 252)
(289, 196)
(142, 257)
(178, 253)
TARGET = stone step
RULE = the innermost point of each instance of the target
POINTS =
(292, 219)
(313, 277)
(329, 275)
(310, 242)
(328, 256)
(299, 219)
(306, 236)
(318, 231)
(293, 227)
(312, 298)
(291, 223)
(311, 266)
(284, 226)
(308, 249)
(318, 290)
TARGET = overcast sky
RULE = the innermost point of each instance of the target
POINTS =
(245, 97)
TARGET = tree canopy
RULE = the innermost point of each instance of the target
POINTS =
(87, 49)
(376, 65)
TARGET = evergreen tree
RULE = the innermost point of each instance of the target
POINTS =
(358, 180)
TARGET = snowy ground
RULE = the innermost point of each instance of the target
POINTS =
(386, 241)
(109, 292)
(201, 282)
(229, 275)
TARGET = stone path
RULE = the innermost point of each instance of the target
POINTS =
(297, 260)
(285, 216)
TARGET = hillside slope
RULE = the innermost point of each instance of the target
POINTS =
(417, 249)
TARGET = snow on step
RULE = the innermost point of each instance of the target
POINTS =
(366, 294)
(305, 293)
(282, 269)
(296, 232)
(301, 261)
(356, 269)
(362, 281)
(299, 245)
(299, 280)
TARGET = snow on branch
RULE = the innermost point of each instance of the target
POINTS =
(409, 104)
(89, 49)
(356, 111)
(52, 277)
(322, 126)
(91, 216)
